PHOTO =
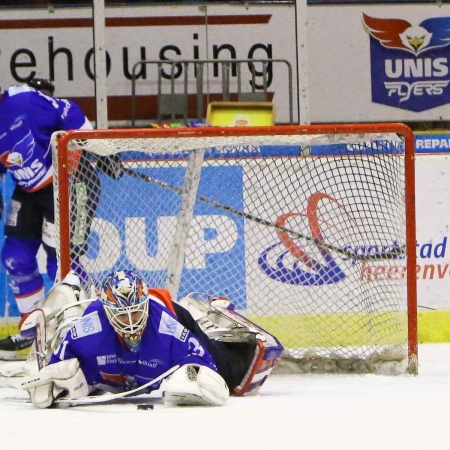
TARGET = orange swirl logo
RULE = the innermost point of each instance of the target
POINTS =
(306, 269)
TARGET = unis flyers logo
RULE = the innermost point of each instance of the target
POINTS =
(410, 62)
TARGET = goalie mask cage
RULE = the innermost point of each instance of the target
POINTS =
(308, 230)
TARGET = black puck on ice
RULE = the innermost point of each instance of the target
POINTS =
(145, 407)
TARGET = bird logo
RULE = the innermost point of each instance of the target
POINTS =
(11, 159)
(402, 35)
(21, 152)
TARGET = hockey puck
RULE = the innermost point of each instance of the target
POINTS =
(145, 407)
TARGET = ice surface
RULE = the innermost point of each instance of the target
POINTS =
(304, 412)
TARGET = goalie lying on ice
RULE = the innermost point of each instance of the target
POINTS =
(134, 334)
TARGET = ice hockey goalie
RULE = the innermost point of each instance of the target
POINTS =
(218, 351)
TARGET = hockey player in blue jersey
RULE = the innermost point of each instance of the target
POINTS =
(133, 335)
(29, 114)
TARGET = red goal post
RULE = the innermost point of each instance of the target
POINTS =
(309, 229)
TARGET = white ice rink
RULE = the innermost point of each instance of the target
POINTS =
(291, 412)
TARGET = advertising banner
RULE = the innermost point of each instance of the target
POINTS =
(379, 63)
(58, 45)
(366, 62)
(433, 142)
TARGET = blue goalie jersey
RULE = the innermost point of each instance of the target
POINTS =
(108, 365)
(27, 120)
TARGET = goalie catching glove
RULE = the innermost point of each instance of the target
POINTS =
(194, 385)
(52, 381)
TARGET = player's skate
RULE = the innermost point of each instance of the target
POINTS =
(219, 320)
(15, 348)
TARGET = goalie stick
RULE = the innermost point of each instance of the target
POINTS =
(112, 397)
(138, 400)
(94, 399)
(392, 254)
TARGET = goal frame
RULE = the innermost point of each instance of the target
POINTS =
(63, 169)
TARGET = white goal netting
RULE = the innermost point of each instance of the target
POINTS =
(306, 232)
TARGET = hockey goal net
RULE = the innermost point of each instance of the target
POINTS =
(309, 230)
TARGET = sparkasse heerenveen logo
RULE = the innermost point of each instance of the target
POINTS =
(410, 62)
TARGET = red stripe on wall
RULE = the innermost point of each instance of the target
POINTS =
(136, 22)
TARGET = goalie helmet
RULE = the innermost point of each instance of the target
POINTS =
(43, 85)
(125, 300)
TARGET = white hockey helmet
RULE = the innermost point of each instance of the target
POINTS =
(125, 300)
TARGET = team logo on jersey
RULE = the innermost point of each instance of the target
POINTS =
(10, 159)
(22, 152)
(87, 325)
(168, 325)
(410, 62)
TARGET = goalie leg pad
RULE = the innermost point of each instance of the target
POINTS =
(48, 325)
(258, 372)
(60, 296)
(16, 369)
(35, 327)
(195, 385)
(268, 348)
(219, 320)
(30, 327)
(209, 314)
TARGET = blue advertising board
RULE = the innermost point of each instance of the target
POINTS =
(433, 143)
(145, 205)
